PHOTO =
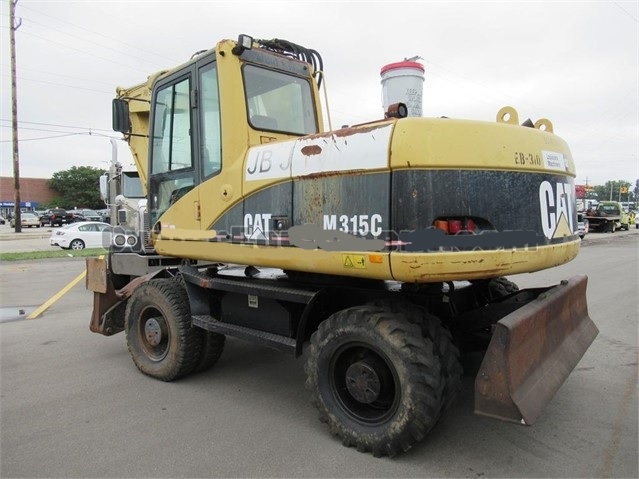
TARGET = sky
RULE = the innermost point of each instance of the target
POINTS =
(575, 63)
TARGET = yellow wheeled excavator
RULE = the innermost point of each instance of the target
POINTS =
(379, 250)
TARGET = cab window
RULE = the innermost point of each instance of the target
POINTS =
(210, 134)
(277, 101)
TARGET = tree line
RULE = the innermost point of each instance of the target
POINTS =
(79, 186)
(618, 190)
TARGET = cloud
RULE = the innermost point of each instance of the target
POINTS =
(572, 62)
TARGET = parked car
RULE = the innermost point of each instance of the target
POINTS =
(582, 225)
(85, 234)
(105, 215)
(85, 215)
(27, 219)
(55, 216)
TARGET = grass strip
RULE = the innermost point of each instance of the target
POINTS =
(62, 253)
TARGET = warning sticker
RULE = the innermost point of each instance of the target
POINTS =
(357, 261)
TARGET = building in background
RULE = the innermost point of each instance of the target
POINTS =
(33, 192)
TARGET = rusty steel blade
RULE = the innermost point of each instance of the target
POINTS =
(105, 298)
(109, 304)
(532, 352)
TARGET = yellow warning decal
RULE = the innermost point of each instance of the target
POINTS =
(357, 261)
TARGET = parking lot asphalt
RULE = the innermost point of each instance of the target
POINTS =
(74, 405)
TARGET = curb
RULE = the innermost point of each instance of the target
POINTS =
(12, 235)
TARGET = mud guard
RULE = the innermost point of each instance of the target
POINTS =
(532, 352)
(109, 304)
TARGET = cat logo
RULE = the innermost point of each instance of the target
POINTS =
(256, 227)
(557, 209)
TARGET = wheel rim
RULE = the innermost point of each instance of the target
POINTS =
(77, 245)
(364, 383)
(153, 332)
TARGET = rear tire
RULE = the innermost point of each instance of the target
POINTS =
(76, 244)
(159, 334)
(502, 287)
(444, 348)
(211, 350)
(490, 289)
(374, 380)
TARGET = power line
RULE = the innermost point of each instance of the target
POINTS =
(88, 80)
(59, 126)
(86, 40)
(48, 130)
(48, 40)
(63, 84)
(96, 33)
(84, 133)
(625, 11)
(42, 138)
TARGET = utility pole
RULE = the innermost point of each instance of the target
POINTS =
(14, 116)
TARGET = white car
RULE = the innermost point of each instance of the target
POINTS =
(85, 234)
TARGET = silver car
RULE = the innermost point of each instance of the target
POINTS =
(27, 219)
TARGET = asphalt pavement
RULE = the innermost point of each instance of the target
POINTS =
(7, 233)
(72, 403)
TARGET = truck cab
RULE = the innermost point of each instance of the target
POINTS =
(609, 216)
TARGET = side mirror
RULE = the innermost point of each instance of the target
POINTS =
(121, 121)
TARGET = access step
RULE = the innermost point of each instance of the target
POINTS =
(249, 286)
(275, 341)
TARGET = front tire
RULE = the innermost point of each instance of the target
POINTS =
(374, 379)
(159, 334)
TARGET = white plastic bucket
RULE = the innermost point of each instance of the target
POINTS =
(403, 82)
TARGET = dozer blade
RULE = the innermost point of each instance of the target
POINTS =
(532, 352)
(109, 304)
(105, 298)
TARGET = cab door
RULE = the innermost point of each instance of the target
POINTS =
(173, 171)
